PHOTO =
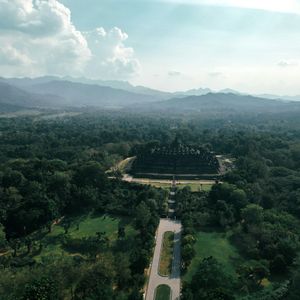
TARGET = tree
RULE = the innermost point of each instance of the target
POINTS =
(41, 289)
(90, 174)
(188, 253)
(294, 291)
(97, 283)
(210, 281)
(142, 216)
(252, 216)
(121, 232)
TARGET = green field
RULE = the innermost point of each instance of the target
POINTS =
(217, 245)
(88, 226)
(163, 292)
(166, 255)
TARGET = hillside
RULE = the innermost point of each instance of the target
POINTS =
(220, 103)
(13, 98)
(79, 94)
(42, 93)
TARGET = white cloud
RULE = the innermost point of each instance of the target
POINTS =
(38, 37)
(215, 74)
(288, 63)
(110, 55)
(11, 56)
(174, 73)
(286, 6)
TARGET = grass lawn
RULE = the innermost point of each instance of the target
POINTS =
(166, 255)
(88, 226)
(163, 292)
(217, 245)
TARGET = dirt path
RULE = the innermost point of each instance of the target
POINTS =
(173, 281)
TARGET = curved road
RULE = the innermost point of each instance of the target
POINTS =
(174, 279)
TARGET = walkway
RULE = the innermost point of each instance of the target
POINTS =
(174, 279)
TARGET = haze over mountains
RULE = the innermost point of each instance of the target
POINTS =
(57, 92)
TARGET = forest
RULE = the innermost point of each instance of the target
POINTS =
(53, 179)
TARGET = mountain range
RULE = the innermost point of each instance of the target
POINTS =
(57, 92)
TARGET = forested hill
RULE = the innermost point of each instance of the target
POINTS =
(79, 94)
(57, 94)
(13, 98)
(45, 92)
(220, 103)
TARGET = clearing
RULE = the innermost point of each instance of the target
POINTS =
(214, 244)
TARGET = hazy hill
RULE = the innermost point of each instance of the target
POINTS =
(13, 98)
(79, 94)
(45, 92)
(193, 92)
(27, 83)
(220, 103)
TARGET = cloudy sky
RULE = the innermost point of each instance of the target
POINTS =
(248, 45)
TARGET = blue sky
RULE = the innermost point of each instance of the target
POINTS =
(249, 45)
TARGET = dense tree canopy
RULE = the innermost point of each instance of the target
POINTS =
(52, 168)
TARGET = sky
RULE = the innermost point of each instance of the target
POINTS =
(249, 45)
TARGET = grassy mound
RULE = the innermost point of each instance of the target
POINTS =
(163, 292)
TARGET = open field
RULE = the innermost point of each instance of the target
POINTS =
(163, 292)
(166, 255)
(80, 227)
(217, 245)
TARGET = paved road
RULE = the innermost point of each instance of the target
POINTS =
(174, 279)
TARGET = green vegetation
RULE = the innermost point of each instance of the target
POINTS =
(54, 168)
(217, 245)
(83, 227)
(166, 254)
(163, 292)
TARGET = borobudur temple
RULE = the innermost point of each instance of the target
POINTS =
(175, 159)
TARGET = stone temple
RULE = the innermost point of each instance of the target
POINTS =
(176, 159)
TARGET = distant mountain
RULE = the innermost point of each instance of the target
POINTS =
(220, 103)
(54, 92)
(123, 85)
(230, 91)
(79, 94)
(32, 93)
(13, 98)
(115, 84)
(27, 82)
(287, 98)
(193, 92)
